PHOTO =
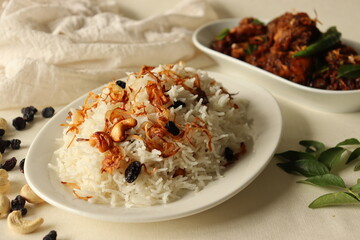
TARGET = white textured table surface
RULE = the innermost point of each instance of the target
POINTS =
(274, 206)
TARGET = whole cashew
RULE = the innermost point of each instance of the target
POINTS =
(4, 181)
(17, 224)
(3, 124)
(4, 205)
(27, 193)
(118, 131)
(3, 174)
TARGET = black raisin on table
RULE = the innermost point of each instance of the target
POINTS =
(18, 203)
(29, 113)
(29, 110)
(23, 211)
(21, 165)
(48, 112)
(8, 165)
(4, 144)
(15, 144)
(28, 117)
(52, 235)
(19, 123)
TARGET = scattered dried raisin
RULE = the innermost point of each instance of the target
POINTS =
(4, 144)
(202, 95)
(229, 154)
(132, 171)
(15, 144)
(28, 117)
(9, 164)
(28, 113)
(21, 165)
(48, 112)
(172, 128)
(19, 123)
(18, 203)
(29, 110)
(178, 104)
(52, 235)
(23, 211)
(121, 84)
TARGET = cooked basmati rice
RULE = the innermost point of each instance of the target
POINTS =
(208, 124)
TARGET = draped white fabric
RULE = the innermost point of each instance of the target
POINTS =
(54, 51)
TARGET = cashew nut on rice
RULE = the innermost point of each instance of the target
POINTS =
(118, 131)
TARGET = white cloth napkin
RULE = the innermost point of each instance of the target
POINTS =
(54, 51)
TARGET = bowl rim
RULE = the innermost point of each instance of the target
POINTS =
(207, 49)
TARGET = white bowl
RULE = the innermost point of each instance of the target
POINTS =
(320, 99)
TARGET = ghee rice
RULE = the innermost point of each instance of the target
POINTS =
(208, 120)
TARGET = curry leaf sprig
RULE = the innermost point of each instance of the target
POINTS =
(223, 34)
(349, 71)
(327, 40)
(320, 165)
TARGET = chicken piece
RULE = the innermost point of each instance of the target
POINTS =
(236, 42)
(290, 32)
(282, 64)
(247, 28)
(287, 34)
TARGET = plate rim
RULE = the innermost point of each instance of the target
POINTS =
(218, 77)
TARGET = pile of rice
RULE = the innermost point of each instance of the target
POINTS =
(209, 121)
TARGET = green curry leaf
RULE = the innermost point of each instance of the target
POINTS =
(257, 22)
(327, 40)
(354, 155)
(349, 141)
(316, 162)
(356, 187)
(331, 156)
(294, 155)
(334, 199)
(223, 34)
(305, 167)
(349, 71)
(314, 147)
(325, 180)
(357, 167)
(250, 48)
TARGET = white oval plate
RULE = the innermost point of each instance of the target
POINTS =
(319, 99)
(267, 125)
